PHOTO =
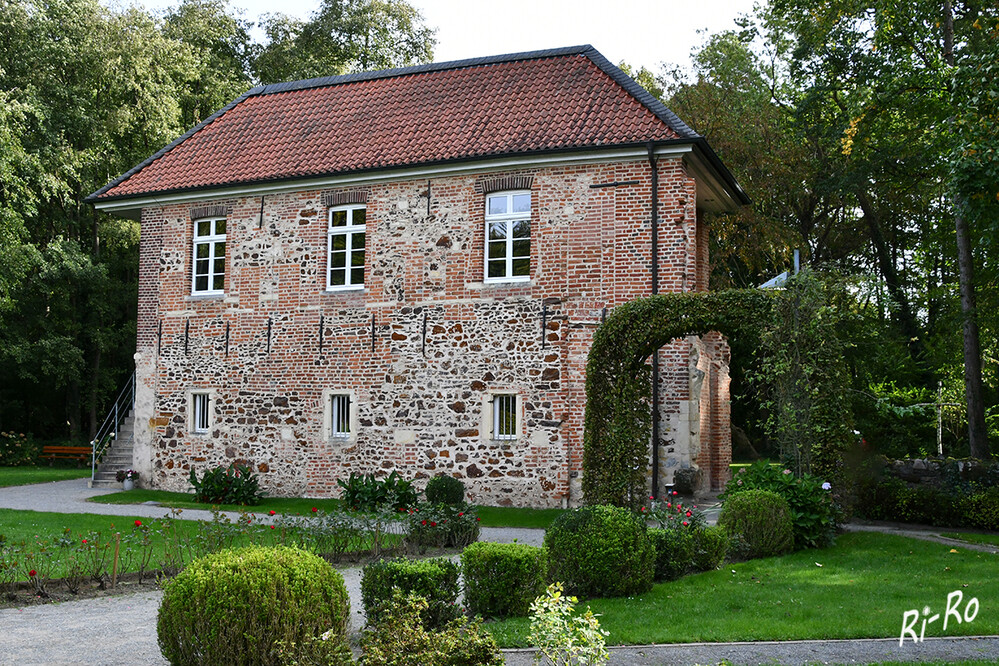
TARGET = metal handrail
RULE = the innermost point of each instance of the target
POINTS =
(109, 429)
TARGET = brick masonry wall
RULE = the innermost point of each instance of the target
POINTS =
(424, 345)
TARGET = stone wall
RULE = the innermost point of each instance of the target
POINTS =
(423, 347)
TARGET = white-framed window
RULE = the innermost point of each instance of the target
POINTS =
(508, 237)
(340, 415)
(201, 413)
(505, 416)
(345, 248)
(208, 276)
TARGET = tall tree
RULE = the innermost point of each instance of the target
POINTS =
(344, 36)
(889, 70)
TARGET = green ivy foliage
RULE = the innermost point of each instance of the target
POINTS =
(618, 422)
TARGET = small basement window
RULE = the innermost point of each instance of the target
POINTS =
(339, 415)
(505, 416)
(200, 412)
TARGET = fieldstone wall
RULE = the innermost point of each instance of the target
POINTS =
(424, 346)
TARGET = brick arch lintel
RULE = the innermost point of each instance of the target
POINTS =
(344, 197)
(491, 184)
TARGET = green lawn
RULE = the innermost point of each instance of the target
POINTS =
(492, 516)
(22, 476)
(863, 588)
(971, 537)
(43, 532)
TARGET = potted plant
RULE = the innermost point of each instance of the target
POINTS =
(127, 477)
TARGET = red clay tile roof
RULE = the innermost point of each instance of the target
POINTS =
(523, 103)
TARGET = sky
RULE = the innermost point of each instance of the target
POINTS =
(640, 32)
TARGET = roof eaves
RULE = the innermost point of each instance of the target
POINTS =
(396, 167)
(642, 95)
(712, 158)
(94, 196)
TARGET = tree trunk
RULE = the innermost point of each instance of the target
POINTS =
(978, 438)
(905, 317)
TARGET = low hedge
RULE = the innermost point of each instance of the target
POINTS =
(445, 489)
(502, 579)
(894, 500)
(434, 579)
(240, 606)
(600, 551)
(759, 521)
(683, 550)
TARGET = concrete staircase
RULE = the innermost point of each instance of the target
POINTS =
(118, 455)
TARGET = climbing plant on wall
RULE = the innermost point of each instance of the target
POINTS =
(618, 416)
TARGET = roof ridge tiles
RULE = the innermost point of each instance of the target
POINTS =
(325, 81)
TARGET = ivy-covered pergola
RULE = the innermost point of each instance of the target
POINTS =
(618, 419)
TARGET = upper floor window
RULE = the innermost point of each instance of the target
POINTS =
(508, 237)
(208, 276)
(345, 268)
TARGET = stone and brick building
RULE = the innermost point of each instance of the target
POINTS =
(403, 270)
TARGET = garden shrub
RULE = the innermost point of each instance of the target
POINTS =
(563, 636)
(674, 552)
(600, 551)
(234, 606)
(17, 449)
(442, 526)
(762, 521)
(369, 493)
(445, 489)
(502, 579)
(235, 484)
(982, 510)
(813, 511)
(400, 639)
(434, 579)
(709, 546)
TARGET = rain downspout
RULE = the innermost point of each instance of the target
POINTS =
(655, 290)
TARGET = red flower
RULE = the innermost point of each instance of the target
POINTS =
(272, 527)
(424, 522)
(84, 541)
(138, 523)
(477, 519)
(32, 573)
(689, 514)
(651, 497)
(675, 493)
(669, 505)
(643, 509)
(315, 509)
(460, 515)
(433, 524)
(272, 512)
(685, 523)
(401, 509)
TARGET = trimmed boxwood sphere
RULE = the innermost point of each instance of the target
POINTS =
(762, 519)
(600, 551)
(231, 607)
